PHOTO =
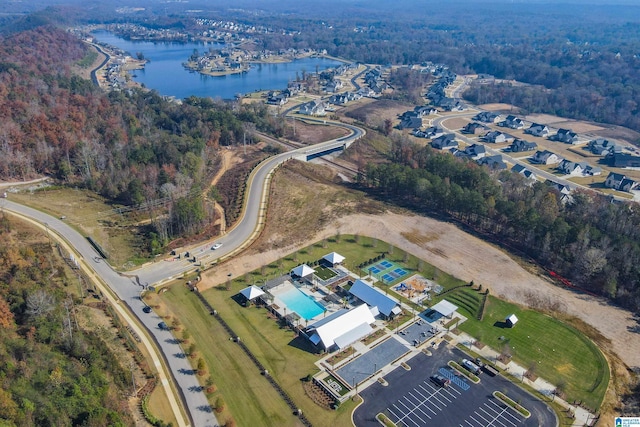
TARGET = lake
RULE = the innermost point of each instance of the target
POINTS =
(164, 71)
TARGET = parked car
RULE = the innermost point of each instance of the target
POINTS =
(146, 309)
(440, 380)
(163, 326)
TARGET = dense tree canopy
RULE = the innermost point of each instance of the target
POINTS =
(587, 239)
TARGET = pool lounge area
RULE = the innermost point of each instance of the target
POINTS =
(297, 301)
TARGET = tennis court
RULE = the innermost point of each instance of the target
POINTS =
(387, 271)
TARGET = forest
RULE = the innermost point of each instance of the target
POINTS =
(133, 147)
(589, 240)
(53, 372)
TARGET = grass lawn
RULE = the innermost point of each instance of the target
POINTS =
(93, 216)
(324, 273)
(357, 250)
(234, 374)
(558, 353)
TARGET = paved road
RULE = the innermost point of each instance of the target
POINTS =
(128, 288)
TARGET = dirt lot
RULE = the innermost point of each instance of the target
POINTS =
(313, 133)
(440, 243)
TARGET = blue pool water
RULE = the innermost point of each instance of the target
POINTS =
(301, 303)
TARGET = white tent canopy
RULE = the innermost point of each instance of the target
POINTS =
(251, 292)
(302, 271)
(445, 308)
(333, 258)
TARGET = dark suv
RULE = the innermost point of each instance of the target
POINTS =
(440, 380)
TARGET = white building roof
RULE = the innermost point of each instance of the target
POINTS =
(512, 319)
(333, 258)
(252, 292)
(342, 326)
(374, 297)
(302, 270)
(445, 308)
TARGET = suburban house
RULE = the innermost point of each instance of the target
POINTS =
(620, 182)
(520, 145)
(545, 157)
(578, 168)
(603, 147)
(623, 160)
(561, 188)
(512, 122)
(497, 137)
(445, 142)
(313, 108)
(493, 162)
(433, 132)
(475, 151)
(566, 135)
(376, 299)
(333, 86)
(474, 128)
(410, 122)
(277, 99)
(424, 110)
(537, 130)
(523, 171)
(487, 117)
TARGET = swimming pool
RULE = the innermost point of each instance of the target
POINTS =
(301, 303)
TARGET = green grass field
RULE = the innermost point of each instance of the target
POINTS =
(236, 376)
(250, 398)
(559, 353)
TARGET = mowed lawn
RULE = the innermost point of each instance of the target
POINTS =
(285, 356)
(249, 396)
(559, 353)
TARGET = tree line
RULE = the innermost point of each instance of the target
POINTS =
(587, 238)
(133, 146)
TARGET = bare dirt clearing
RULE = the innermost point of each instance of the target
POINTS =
(441, 244)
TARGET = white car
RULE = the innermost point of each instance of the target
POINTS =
(216, 246)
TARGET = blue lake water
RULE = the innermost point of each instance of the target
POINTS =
(166, 74)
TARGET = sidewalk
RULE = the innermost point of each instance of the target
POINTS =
(582, 416)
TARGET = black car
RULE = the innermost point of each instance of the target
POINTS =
(440, 380)
(146, 309)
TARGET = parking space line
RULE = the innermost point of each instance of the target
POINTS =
(407, 414)
(482, 418)
(423, 403)
(419, 407)
(497, 418)
(507, 414)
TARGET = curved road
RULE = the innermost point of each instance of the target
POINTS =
(128, 288)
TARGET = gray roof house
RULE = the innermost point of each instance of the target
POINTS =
(537, 130)
(493, 162)
(475, 151)
(614, 180)
(566, 135)
(520, 145)
(512, 122)
(487, 117)
(497, 137)
(474, 128)
(444, 142)
(313, 108)
(602, 147)
(545, 157)
(517, 168)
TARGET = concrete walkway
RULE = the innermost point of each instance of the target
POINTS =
(582, 416)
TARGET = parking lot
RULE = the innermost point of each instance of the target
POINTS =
(412, 399)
